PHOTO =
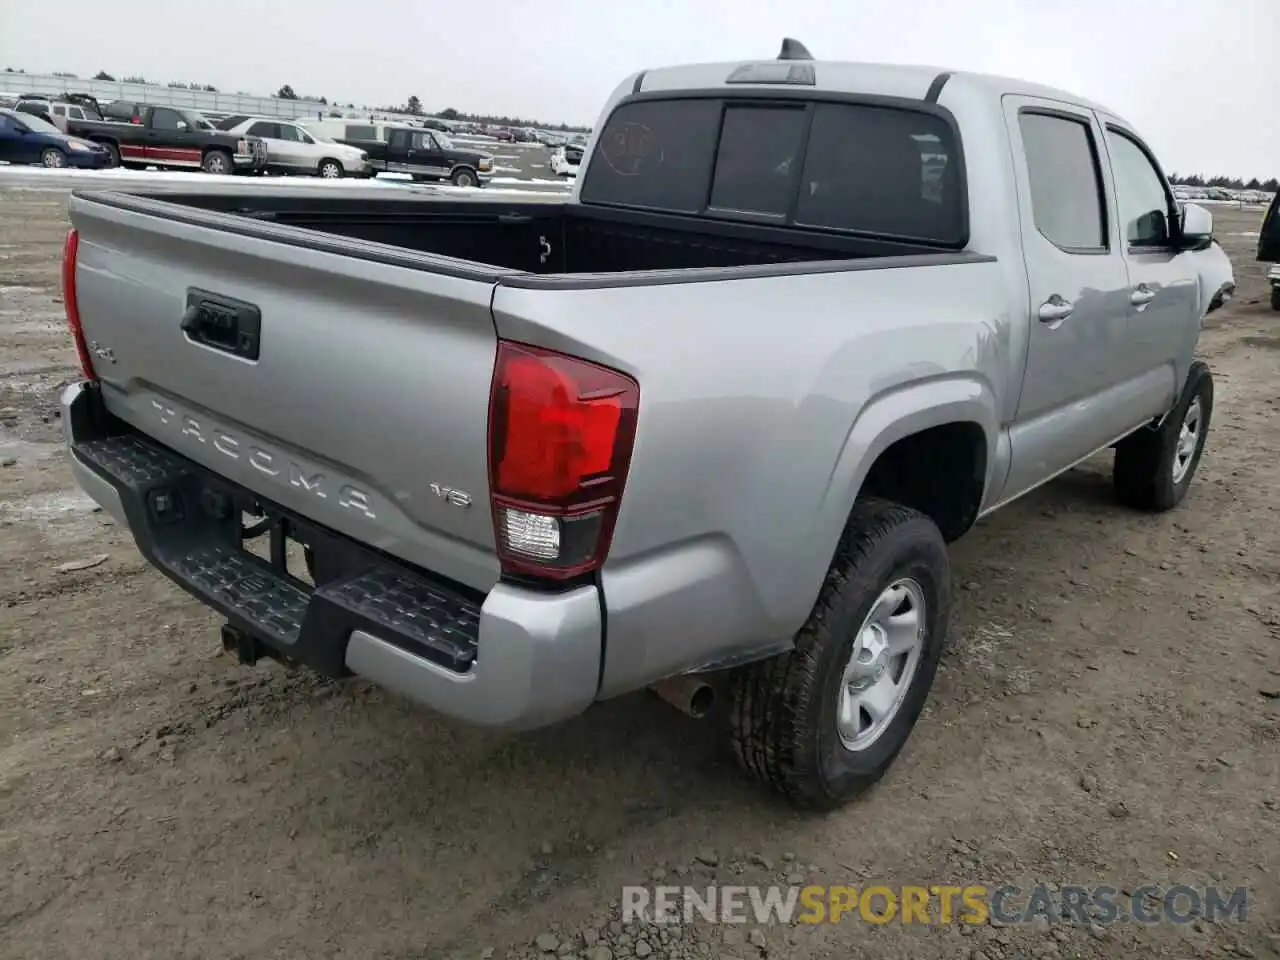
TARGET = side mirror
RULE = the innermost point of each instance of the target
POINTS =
(1196, 227)
(182, 125)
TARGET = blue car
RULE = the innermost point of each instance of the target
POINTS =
(29, 139)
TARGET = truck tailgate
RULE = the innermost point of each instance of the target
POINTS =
(359, 401)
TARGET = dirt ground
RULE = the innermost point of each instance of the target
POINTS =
(1107, 713)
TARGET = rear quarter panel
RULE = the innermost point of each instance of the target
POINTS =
(763, 402)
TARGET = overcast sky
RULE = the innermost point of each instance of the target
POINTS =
(1198, 77)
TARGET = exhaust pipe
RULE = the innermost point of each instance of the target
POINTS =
(690, 694)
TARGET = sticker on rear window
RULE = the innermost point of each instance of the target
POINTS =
(632, 150)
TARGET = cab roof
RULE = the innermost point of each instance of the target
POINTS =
(794, 69)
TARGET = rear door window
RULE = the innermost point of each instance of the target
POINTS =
(1065, 178)
(881, 170)
(361, 133)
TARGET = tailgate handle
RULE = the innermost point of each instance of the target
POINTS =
(223, 323)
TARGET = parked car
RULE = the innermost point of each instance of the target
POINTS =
(1269, 247)
(565, 161)
(292, 149)
(170, 137)
(706, 427)
(232, 120)
(423, 154)
(58, 112)
(27, 138)
(36, 106)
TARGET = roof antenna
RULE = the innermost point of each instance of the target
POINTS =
(794, 50)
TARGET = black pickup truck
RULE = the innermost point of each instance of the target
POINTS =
(425, 155)
(173, 137)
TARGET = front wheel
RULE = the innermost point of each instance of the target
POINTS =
(824, 722)
(330, 169)
(53, 158)
(218, 163)
(463, 178)
(1154, 466)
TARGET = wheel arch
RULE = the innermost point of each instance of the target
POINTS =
(960, 413)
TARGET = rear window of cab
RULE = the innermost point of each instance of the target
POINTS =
(848, 167)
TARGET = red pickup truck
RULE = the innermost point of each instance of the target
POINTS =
(173, 137)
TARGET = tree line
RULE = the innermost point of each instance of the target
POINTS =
(414, 106)
(1271, 185)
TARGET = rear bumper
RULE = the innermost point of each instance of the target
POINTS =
(1274, 274)
(513, 658)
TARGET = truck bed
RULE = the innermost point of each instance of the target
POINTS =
(541, 237)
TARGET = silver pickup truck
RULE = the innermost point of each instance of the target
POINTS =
(706, 427)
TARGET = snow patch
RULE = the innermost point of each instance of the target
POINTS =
(562, 184)
(69, 178)
(61, 515)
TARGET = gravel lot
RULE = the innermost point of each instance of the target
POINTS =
(1107, 713)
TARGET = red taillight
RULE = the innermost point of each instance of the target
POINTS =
(71, 303)
(560, 436)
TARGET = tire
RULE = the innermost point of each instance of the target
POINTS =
(218, 163)
(114, 151)
(783, 711)
(1275, 298)
(53, 158)
(1155, 466)
(329, 169)
(464, 177)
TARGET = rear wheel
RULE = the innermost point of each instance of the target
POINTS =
(464, 177)
(53, 158)
(1275, 298)
(824, 722)
(330, 169)
(217, 162)
(113, 152)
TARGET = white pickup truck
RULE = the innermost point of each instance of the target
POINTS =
(705, 427)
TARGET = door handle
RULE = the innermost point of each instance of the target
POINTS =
(1055, 309)
(1142, 295)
